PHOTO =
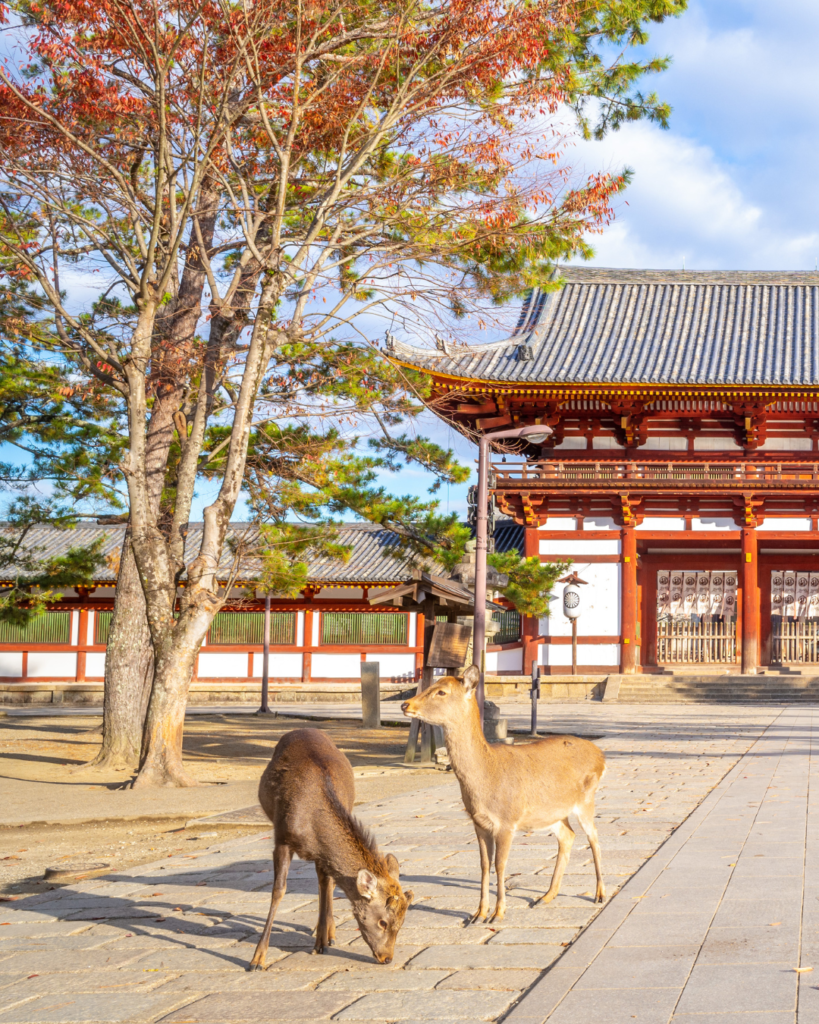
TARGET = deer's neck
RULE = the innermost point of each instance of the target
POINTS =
(345, 850)
(469, 753)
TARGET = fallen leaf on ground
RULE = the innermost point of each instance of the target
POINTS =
(802, 970)
(775, 924)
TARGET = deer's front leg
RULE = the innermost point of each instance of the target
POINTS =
(281, 866)
(502, 846)
(326, 928)
(486, 846)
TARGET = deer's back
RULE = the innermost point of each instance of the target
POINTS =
(299, 789)
(528, 782)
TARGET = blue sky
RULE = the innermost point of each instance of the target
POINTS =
(732, 184)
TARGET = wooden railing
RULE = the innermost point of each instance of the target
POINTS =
(687, 473)
(794, 642)
(696, 642)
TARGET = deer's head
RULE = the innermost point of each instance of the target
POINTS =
(381, 908)
(447, 701)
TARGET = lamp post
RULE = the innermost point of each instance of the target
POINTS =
(535, 433)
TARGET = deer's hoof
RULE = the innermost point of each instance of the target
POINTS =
(255, 967)
(496, 917)
(475, 919)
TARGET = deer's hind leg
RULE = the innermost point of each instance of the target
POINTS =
(585, 815)
(503, 844)
(565, 839)
(326, 928)
(486, 848)
(282, 855)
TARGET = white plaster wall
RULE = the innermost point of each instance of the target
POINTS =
(42, 664)
(580, 547)
(606, 443)
(714, 444)
(599, 523)
(94, 664)
(601, 605)
(91, 619)
(560, 523)
(336, 666)
(570, 444)
(316, 629)
(283, 665)
(705, 524)
(11, 664)
(412, 629)
(390, 665)
(661, 523)
(665, 444)
(785, 524)
(299, 629)
(510, 661)
(491, 662)
(75, 628)
(228, 665)
(786, 444)
(587, 654)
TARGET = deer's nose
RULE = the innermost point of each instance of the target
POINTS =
(405, 706)
(387, 960)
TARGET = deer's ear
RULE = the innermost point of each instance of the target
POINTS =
(409, 895)
(392, 865)
(367, 884)
(471, 679)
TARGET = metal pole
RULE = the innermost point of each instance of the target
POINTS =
(481, 536)
(535, 695)
(574, 647)
(265, 708)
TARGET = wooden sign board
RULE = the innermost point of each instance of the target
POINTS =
(450, 641)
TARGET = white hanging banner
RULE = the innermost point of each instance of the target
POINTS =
(663, 594)
(729, 596)
(689, 593)
(675, 594)
(802, 589)
(813, 596)
(703, 606)
(777, 585)
(789, 594)
(717, 588)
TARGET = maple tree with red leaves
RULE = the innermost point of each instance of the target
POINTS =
(249, 183)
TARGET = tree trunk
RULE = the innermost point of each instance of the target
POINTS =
(128, 671)
(161, 763)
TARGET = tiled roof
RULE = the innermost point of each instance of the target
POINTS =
(370, 562)
(652, 327)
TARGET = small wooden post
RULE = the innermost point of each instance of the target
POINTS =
(574, 647)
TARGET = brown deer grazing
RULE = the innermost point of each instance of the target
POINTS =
(509, 788)
(307, 791)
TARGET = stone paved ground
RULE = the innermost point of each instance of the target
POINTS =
(169, 941)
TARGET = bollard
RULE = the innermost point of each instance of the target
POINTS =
(371, 694)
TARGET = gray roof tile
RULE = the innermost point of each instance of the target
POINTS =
(654, 327)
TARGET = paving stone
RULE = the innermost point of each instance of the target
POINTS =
(52, 942)
(624, 967)
(474, 935)
(82, 981)
(172, 959)
(437, 1005)
(456, 957)
(503, 980)
(37, 962)
(44, 929)
(376, 979)
(111, 1007)
(233, 1006)
(733, 1018)
(201, 983)
(663, 929)
(766, 944)
(527, 936)
(739, 987)
(616, 1006)
(344, 958)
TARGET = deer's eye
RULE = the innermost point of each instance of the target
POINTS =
(442, 693)
(383, 925)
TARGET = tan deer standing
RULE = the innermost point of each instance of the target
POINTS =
(509, 788)
(308, 791)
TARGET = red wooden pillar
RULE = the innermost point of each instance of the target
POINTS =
(307, 655)
(82, 641)
(530, 625)
(630, 658)
(750, 602)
